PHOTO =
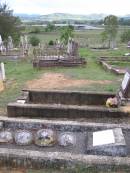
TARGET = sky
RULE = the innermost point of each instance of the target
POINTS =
(116, 7)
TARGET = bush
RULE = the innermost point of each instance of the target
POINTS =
(36, 30)
(51, 42)
(34, 41)
(125, 37)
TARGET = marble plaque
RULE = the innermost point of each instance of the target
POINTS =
(67, 139)
(21, 101)
(45, 137)
(104, 137)
(23, 137)
(6, 136)
(109, 142)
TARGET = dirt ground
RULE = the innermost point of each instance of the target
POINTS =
(59, 81)
(1, 85)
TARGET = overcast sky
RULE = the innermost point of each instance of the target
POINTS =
(116, 7)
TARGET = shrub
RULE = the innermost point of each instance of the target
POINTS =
(34, 41)
(125, 37)
(51, 42)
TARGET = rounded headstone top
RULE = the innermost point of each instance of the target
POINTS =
(67, 139)
(45, 137)
(23, 137)
(6, 136)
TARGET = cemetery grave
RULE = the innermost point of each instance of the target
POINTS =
(54, 56)
(70, 104)
(34, 143)
(117, 65)
(9, 52)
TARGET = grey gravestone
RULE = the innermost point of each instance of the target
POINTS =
(23, 137)
(107, 142)
(128, 45)
(45, 138)
(72, 47)
(10, 43)
(6, 136)
(125, 86)
(67, 139)
(1, 125)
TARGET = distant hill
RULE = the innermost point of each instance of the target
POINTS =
(60, 16)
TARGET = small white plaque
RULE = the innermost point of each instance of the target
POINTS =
(125, 80)
(21, 101)
(104, 137)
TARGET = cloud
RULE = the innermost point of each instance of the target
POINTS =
(70, 6)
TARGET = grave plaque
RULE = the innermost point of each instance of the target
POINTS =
(6, 136)
(23, 137)
(67, 139)
(125, 86)
(45, 137)
(107, 142)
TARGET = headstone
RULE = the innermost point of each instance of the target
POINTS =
(128, 45)
(125, 86)
(72, 48)
(67, 139)
(23, 137)
(1, 45)
(3, 71)
(107, 142)
(10, 43)
(69, 46)
(6, 136)
(45, 138)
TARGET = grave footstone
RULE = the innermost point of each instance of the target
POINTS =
(107, 142)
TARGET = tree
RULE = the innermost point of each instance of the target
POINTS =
(66, 32)
(104, 38)
(50, 27)
(111, 28)
(125, 36)
(9, 24)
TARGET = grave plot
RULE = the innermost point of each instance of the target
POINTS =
(9, 52)
(72, 104)
(56, 55)
(38, 143)
(117, 65)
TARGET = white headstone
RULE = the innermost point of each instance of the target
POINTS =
(125, 80)
(3, 71)
(10, 43)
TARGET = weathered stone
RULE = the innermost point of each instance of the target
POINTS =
(1, 124)
(45, 137)
(23, 137)
(6, 136)
(107, 142)
(67, 139)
